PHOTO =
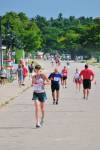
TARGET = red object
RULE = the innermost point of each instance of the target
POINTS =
(78, 81)
(64, 72)
(8, 60)
(25, 71)
(87, 73)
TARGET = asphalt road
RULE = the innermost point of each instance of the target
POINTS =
(74, 124)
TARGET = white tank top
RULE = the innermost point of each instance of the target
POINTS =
(77, 76)
(38, 87)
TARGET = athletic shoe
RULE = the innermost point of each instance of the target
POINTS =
(38, 126)
(56, 102)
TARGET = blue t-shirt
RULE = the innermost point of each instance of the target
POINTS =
(55, 78)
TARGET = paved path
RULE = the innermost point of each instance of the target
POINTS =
(72, 125)
(11, 90)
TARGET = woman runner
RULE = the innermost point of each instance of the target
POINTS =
(39, 80)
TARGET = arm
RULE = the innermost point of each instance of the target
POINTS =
(81, 73)
(92, 74)
(74, 78)
(47, 81)
(33, 80)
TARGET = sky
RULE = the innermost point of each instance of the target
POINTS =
(51, 8)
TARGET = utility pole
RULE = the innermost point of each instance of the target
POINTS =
(1, 52)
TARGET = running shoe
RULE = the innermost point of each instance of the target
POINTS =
(56, 102)
(38, 126)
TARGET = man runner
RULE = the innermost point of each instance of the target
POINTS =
(87, 76)
(55, 78)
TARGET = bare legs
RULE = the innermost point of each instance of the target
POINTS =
(55, 96)
(86, 93)
(39, 112)
(78, 86)
(64, 83)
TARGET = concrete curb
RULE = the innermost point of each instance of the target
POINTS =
(6, 102)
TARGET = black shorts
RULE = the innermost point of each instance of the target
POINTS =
(64, 77)
(3, 77)
(55, 87)
(87, 84)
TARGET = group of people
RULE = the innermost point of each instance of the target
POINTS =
(55, 60)
(39, 80)
(22, 73)
(3, 75)
(84, 77)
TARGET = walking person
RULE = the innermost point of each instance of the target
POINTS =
(39, 80)
(55, 78)
(52, 61)
(87, 76)
(30, 69)
(68, 64)
(3, 75)
(20, 74)
(64, 76)
(25, 73)
(77, 79)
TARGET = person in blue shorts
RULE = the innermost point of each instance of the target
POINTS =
(55, 78)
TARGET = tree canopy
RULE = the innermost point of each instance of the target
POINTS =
(70, 35)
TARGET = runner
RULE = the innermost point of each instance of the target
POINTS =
(87, 76)
(39, 80)
(77, 79)
(64, 76)
(55, 78)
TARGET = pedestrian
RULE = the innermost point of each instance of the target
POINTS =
(25, 73)
(31, 69)
(52, 61)
(77, 79)
(64, 76)
(39, 80)
(20, 74)
(68, 64)
(87, 76)
(55, 78)
(3, 75)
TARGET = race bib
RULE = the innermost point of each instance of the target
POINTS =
(38, 88)
(56, 79)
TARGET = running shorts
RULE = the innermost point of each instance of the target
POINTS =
(78, 81)
(55, 87)
(64, 77)
(39, 96)
(87, 84)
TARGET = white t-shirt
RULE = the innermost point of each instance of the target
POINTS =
(77, 75)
